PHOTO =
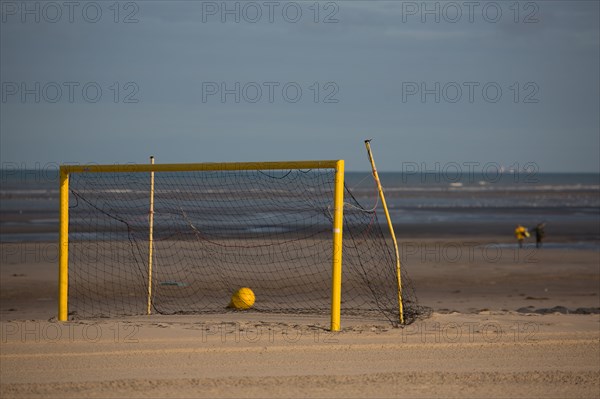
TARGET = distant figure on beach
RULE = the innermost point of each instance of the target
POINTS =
(521, 233)
(539, 234)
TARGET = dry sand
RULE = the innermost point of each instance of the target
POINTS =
(499, 329)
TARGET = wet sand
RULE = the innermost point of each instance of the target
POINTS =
(505, 323)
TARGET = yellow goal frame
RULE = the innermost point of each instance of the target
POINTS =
(338, 215)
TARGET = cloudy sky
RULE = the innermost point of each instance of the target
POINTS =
(508, 83)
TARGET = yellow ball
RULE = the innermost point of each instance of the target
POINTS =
(242, 299)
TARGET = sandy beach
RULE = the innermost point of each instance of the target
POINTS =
(505, 323)
(300, 199)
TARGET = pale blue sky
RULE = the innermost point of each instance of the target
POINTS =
(361, 75)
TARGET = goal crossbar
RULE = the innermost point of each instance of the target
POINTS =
(209, 166)
(338, 206)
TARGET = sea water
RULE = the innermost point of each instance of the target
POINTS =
(29, 201)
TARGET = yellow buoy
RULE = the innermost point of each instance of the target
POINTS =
(242, 299)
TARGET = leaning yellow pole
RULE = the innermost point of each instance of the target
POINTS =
(338, 222)
(389, 222)
(63, 248)
(150, 237)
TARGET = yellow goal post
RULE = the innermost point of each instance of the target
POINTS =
(338, 206)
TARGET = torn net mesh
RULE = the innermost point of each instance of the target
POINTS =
(215, 232)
